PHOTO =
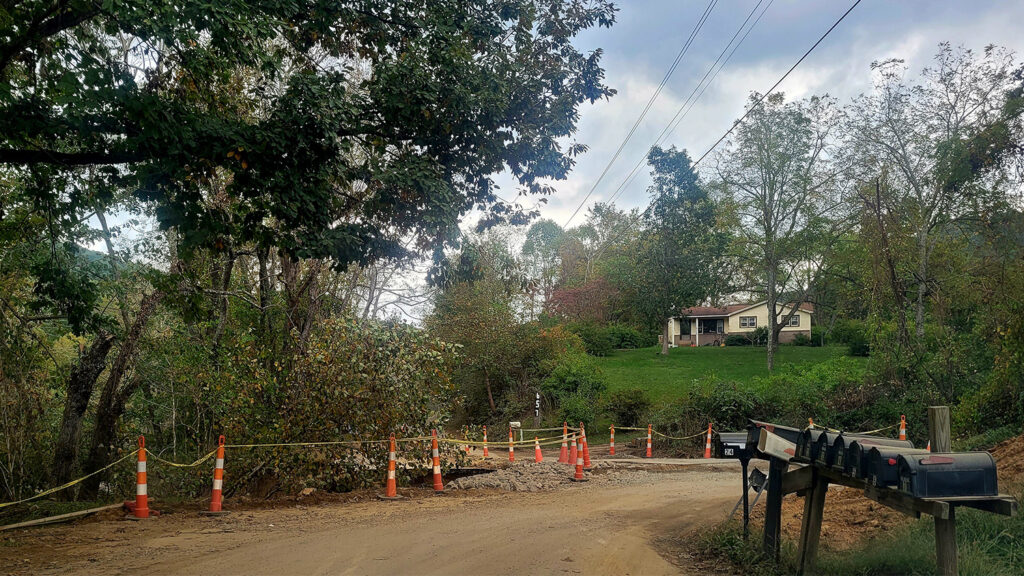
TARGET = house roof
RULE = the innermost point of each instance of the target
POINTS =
(732, 309)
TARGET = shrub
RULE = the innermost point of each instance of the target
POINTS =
(628, 407)
(626, 337)
(801, 339)
(596, 340)
(577, 407)
(737, 340)
(817, 334)
(846, 331)
(859, 346)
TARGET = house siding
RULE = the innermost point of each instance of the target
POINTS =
(761, 313)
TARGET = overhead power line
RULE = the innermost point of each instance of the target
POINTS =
(743, 117)
(650, 102)
(691, 101)
(776, 85)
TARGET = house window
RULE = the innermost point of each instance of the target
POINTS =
(794, 320)
(748, 321)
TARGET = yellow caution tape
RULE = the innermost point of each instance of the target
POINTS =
(177, 465)
(71, 483)
(701, 433)
(328, 443)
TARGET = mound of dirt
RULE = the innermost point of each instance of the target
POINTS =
(1009, 455)
(848, 518)
(524, 477)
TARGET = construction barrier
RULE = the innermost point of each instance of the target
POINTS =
(649, 427)
(707, 445)
(903, 427)
(572, 450)
(391, 483)
(563, 453)
(435, 455)
(578, 476)
(586, 448)
(218, 477)
(611, 440)
(538, 456)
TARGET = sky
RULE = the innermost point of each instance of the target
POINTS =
(648, 35)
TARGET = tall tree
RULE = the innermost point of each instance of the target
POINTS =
(917, 134)
(681, 248)
(777, 169)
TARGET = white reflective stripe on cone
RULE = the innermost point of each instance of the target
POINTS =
(391, 455)
(217, 484)
(220, 463)
(436, 455)
(140, 489)
(437, 469)
(391, 474)
(142, 466)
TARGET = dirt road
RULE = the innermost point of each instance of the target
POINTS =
(614, 524)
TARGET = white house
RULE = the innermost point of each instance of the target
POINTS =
(709, 325)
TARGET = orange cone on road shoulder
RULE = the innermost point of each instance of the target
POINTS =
(538, 456)
(218, 479)
(572, 450)
(511, 446)
(903, 426)
(586, 448)
(563, 453)
(436, 457)
(648, 441)
(140, 508)
(578, 476)
(611, 441)
(391, 484)
(707, 443)
(486, 453)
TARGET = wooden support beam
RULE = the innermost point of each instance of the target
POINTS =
(945, 528)
(810, 528)
(798, 480)
(1004, 504)
(773, 509)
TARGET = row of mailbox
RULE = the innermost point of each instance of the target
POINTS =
(880, 461)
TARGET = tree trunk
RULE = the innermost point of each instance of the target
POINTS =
(773, 335)
(664, 338)
(114, 397)
(80, 385)
(221, 276)
(922, 282)
(490, 395)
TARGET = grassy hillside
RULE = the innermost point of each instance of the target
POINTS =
(666, 377)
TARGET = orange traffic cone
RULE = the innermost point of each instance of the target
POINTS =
(903, 427)
(218, 478)
(465, 436)
(611, 442)
(436, 456)
(486, 453)
(511, 446)
(140, 508)
(648, 440)
(537, 455)
(707, 443)
(391, 484)
(586, 448)
(572, 451)
(810, 422)
(578, 477)
(929, 446)
(563, 454)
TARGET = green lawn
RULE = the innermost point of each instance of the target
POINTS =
(666, 377)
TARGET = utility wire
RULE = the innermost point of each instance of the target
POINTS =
(745, 114)
(776, 85)
(682, 51)
(691, 101)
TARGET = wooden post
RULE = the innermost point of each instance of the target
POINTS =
(773, 508)
(945, 529)
(746, 499)
(810, 527)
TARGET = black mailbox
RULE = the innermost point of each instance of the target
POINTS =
(824, 451)
(854, 459)
(956, 474)
(805, 445)
(882, 460)
(732, 445)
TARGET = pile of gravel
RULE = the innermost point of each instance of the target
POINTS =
(521, 477)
